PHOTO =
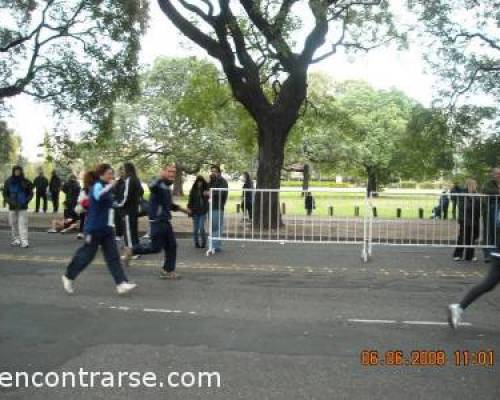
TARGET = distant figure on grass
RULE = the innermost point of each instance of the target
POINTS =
(309, 203)
(99, 231)
(162, 234)
(41, 185)
(18, 192)
(55, 190)
(118, 192)
(71, 190)
(441, 210)
(83, 203)
(247, 195)
(198, 208)
(469, 213)
(219, 199)
(490, 208)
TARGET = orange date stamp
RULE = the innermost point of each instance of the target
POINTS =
(427, 358)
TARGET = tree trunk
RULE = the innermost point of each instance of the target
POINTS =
(305, 179)
(371, 186)
(178, 182)
(271, 157)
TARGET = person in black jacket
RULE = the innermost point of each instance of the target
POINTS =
(219, 199)
(129, 205)
(247, 195)
(309, 203)
(118, 191)
(469, 214)
(162, 234)
(198, 208)
(71, 189)
(41, 185)
(18, 192)
(55, 190)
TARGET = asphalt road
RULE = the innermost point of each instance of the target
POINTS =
(276, 322)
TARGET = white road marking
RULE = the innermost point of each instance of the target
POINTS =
(372, 321)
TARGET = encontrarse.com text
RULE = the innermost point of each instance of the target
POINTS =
(94, 379)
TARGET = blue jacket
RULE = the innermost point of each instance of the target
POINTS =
(100, 214)
(160, 202)
(18, 192)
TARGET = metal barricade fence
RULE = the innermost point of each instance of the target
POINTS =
(458, 220)
(280, 216)
(352, 217)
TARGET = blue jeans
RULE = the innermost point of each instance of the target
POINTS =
(199, 229)
(217, 228)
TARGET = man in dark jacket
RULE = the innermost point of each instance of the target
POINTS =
(490, 208)
(71, 189)
(55, 190)
(18, 192)
(162, 234)
(41, 185)
(219, 199)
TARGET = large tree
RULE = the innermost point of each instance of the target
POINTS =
(258, 45)
(78, 55)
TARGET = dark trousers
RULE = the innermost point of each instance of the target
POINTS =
(42, 196)
(85, 254)
(131, 228)
(119, 225)
(248, 208)
(454, 207)
(467, 236)
(55, 201)
(82, 221)
(162, 238)
(487, 285)
(489, 230)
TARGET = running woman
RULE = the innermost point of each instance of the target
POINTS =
(162, 233)
(99, 231)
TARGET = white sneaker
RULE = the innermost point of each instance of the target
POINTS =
(52, 230)
(68, 285)
(125, 287)
(24, 244)
(457, 258)
(80, 236)
(454, 315)
(15, 243)
(118, 238)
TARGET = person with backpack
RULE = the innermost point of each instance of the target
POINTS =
(18, 192)
(55, 190)
(129, 205)
(198, 207)
(99, 232)
(162, 234)
(41, 185)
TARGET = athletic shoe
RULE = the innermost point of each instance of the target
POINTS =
(457, 259)
(24, 244)
(52, 230)
(15, 243)
(127, 255)
(454, 315)
(80, 236)
(136, 257)
(125, 287)
(118, 238)
(68, 285)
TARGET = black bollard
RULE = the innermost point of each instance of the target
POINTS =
(356, 211)
(421, 213)
(398, 213)
(330, 211)
(375, 214)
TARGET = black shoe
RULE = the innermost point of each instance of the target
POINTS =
(197, 246)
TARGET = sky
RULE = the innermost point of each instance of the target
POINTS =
(383, 68)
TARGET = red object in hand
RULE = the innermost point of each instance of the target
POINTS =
(85, 203)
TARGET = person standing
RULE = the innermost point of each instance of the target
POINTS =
(83, 203)
(247, 195)
(219, 199)
(469, 217)
(18, 192)
(41, 185)
(99, 232)
(71, 189)
(129, 205)
(454, 191)
(118, 191)
(198, 208)
(162, 234)
(55, 190)
(490, 209)
(309, 203)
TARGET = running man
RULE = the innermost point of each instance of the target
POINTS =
(160, 214)
(99, 231)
